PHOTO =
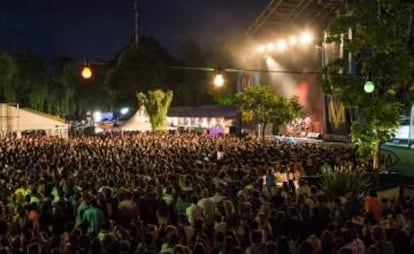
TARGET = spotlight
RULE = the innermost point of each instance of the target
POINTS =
(306, 38)
(124, 111)
(97, 116)
(270, 47)
(261, 48)
(282, 45)
(292, 40)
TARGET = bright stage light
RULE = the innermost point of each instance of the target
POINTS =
(282, 45)
(306, 37)
(292, 40)
(261, 48)
(124, 111)
(97, 116)
(270, 47)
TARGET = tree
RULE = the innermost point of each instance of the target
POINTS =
(156, 103)
(31, 83)
(137, 69)
(62, 86)
(285, 110)
(260, 104)
(7, 71)
(194, 87)
(383, 55)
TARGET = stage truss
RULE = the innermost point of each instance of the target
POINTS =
(282, 15)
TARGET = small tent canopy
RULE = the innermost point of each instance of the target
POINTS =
(138, 122)
(15, 119)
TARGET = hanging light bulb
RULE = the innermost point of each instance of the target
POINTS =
(369, 86)
(219, 80)
(86, 72)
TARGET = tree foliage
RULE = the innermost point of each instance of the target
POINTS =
(286, 110)
(57, 88)
(382, 54)
(8, 70)
(66, 76)
(31, 83)
(261, 105)
(137, 69)
(156, 103)
(193, 87)
(339, 182)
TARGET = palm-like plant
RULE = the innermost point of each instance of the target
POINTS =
(345, 180)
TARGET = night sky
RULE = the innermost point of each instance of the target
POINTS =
(99, 28)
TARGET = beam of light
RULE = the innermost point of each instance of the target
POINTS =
(284, 83)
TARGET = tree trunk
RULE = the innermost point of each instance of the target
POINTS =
(263, 131)
(376, 155)
(153, 136)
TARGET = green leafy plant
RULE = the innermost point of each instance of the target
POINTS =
(260, 104)
(344, 180)
(384, 57)
(156, 103)
(8, 70)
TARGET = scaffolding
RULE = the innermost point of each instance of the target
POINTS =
(280, 15)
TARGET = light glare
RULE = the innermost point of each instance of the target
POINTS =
(219, 80)
(124, 111)
(292, 40)
(261, 48)
(369, 86)
(306, 37)
(97, 116)
(86, 72)
(270, 47)
(282, 45)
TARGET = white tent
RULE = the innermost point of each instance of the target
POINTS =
(15, 119)
(138, 122)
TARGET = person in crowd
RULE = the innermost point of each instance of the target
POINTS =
(378, 237)
(373, 205)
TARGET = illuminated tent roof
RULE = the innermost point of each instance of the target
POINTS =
(14, 119)
(203, 111)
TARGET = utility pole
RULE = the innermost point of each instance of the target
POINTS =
(136, 24)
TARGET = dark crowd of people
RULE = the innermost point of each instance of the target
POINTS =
(185, 193)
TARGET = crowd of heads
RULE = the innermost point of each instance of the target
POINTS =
(183, 193)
